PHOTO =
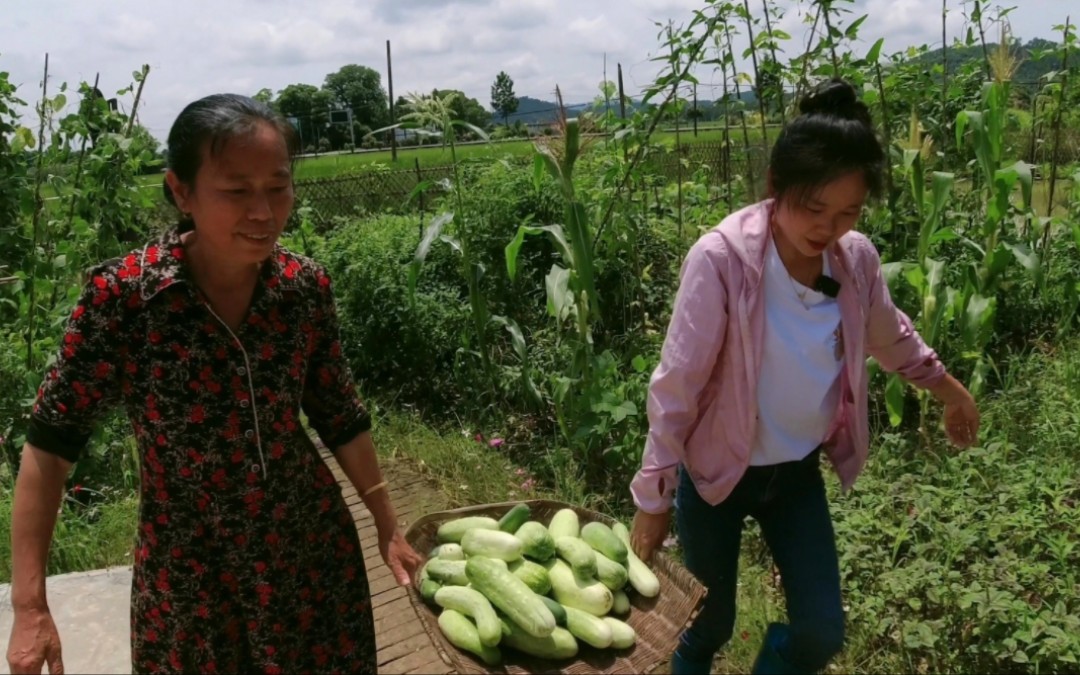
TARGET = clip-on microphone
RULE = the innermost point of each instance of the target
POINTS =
(827, 286)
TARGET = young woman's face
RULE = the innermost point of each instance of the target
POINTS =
(827, 214)
(242, 197)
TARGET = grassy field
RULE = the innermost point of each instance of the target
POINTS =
(332, 165)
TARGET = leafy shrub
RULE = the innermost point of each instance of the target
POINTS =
(399, 347)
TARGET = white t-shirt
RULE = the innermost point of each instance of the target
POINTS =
(799, 385)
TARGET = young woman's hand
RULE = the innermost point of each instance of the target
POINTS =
(961, 414)
(648, 533)
(400, 557)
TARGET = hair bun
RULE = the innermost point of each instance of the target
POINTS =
(836, 98)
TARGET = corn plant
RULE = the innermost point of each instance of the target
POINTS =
(571, 286)
(433, 116)
(925, 274)
(994, 240)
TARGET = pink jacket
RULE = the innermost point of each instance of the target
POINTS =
(702, 402)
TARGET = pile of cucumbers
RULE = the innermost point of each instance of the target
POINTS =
(540, 589)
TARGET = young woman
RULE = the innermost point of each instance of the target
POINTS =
(214, 338)
(763, 371)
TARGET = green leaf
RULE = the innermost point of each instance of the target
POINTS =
(639, 364)
(453, 243)
(1023, 172)
(894, 399)
(943, 235)
(434, 229)
(512, 250)
(517, 337)
(997, 261)
(622, 411)
(892, 272)
(60, 261)
(1027, 258)
(942, 187)
(557, 236)
(916, 277)
(399, 125)
(979, 321)
(875, 52)
(852, 31)
(24, 138)
(560, 301)
(421, 187)
(538, 171)
(550, 161)
(963, 118)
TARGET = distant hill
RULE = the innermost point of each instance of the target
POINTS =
(1028, 75)
(536, 111)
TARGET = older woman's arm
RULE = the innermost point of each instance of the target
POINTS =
(38, 490)
(358, 460)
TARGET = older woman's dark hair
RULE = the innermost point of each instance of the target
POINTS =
(209, 124)
(834, 136)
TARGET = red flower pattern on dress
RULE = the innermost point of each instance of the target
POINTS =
(246, 553)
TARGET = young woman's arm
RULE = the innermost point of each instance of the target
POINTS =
(38, 490)
(892, 340)
(691, 346)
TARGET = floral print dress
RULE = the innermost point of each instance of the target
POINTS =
(247, 558)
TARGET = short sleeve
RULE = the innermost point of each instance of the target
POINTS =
(330, 400)
(84, 380)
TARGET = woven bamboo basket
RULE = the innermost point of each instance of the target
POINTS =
(657, 621)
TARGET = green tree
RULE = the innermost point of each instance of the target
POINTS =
(310, 106)
(503, 99)
(464, 108)
(360, 89)
(265, 96)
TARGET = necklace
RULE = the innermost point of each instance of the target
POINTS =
(801, 294)
(791, 279)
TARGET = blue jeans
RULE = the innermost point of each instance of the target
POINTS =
(788, 501)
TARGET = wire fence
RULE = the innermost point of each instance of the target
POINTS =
(330, 199)
(713, 162)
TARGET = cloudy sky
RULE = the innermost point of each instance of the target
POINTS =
(198, 47)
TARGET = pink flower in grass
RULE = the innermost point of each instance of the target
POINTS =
(496, 442)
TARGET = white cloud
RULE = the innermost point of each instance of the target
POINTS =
(130, 33)
(202, 46)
